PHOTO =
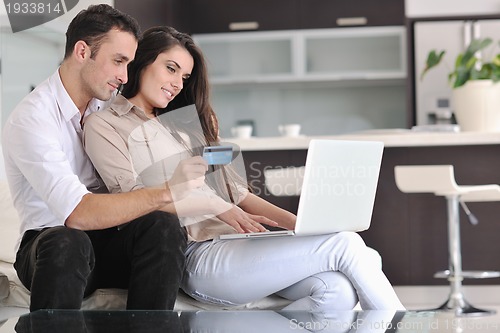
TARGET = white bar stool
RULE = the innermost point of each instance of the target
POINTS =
(440, 180)
(284, 182)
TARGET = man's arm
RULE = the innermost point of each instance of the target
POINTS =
(101, 211)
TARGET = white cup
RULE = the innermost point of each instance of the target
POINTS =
(242, 131)
(289, 129)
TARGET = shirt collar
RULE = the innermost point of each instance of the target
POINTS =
(121, 106)
(66, 105)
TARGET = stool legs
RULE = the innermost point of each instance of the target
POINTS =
(456, 301)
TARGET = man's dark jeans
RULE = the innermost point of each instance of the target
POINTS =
(61, 266)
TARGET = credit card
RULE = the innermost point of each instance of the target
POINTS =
(218, 155)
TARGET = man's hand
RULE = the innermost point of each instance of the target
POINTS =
(189, 175)
(243, 222)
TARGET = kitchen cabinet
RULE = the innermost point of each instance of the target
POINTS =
(430, 93)
(366, 54)
(342, 13)
(260, 15)
(410, 230)
(237, 15)
(152, 13)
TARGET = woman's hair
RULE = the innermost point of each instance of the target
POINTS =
(195, 91)
(92, 25)
(157, 40)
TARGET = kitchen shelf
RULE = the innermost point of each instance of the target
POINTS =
(365, 54)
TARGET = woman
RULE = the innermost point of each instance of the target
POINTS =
(131, 147)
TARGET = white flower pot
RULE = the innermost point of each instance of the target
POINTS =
(477, 106)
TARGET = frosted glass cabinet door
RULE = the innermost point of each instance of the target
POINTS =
(361, 53)
(242, 58)
(356, 53)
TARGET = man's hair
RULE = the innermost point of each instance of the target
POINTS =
(91, 25)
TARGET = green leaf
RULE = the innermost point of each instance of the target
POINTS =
(475, 46)
(496, 60)
(433, 59)
(462, 75)
(495, 73)
(470, 64)
(459, 60)
(482, 74)
(467, 64)
(495, 76)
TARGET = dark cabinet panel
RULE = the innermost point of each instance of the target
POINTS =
(237, 15)
(151, 13)
(255, 164)
(410, 230)
(203, 16)
(341, 13)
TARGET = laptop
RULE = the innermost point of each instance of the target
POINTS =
(338, 189)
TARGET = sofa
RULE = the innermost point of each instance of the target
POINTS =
(14, 294)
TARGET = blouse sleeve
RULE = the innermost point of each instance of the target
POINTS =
(109, 154)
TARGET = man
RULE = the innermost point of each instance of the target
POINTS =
(74, 241)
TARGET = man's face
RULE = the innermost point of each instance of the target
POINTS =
(105, 71)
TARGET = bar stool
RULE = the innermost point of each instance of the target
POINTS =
(284, 182)
(440, 180)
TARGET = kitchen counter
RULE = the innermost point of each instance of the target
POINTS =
(390, 137)
(408, 230)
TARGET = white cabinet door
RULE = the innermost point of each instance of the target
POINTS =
(434, 87)
(453, 37)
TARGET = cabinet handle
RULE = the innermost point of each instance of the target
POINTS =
(352, 21)
(236, 26)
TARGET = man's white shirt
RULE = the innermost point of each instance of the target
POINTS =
(46, 166)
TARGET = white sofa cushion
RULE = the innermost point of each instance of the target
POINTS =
(9, 224)
(4, 286)
(116, 299)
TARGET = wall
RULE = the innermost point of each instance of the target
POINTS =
(321, 108)
(29, 57)
(424, 8)
(21, 69)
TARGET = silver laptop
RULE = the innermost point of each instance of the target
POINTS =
(338, 189)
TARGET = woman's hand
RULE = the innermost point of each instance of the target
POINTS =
(189, 175)
(244, 222)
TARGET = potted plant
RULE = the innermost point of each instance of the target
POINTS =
(476, 92)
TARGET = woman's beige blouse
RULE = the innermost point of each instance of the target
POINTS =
(131, 151)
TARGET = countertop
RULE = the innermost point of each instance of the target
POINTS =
(390, 137)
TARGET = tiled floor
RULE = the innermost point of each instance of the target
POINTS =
(431, 297)
(414, 298)
(418, 297)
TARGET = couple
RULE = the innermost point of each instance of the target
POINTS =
(142, 237)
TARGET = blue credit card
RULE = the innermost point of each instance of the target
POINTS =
(218, 155)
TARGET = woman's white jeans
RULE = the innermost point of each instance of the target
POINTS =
(317, 273)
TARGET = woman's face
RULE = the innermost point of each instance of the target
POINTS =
(162, 80)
